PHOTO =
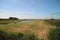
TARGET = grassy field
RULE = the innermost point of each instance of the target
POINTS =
(9, 21)
(39, 27)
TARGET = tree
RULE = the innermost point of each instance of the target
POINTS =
(13, 18)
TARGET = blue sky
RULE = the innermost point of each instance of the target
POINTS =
(29, 9)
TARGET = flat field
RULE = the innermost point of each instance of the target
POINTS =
(39, 27)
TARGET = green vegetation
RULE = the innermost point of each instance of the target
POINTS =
(34, 30)
(54, 22)
(9, 21)
(54, 34)
(19, 36)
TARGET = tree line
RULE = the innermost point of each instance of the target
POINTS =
(10, 18)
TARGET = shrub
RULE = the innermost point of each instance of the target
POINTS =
(28, 35)
(54, 34)
(32, 37)
(18, 36)
(3, 35)
(12, 37)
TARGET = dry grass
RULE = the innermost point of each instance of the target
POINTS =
(40, 28)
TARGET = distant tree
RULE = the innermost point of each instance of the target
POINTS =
(13, 18)
(0, 19)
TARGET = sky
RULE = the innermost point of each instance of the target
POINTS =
(30, 9)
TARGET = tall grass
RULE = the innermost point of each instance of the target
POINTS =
(54, 34)
(54, 22)
(17, 36)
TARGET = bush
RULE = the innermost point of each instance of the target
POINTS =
(3, 35)
(54, 34)
(18, 36)
(32, 37)
(12, 37)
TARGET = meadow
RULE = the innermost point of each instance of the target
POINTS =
(32, 30)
